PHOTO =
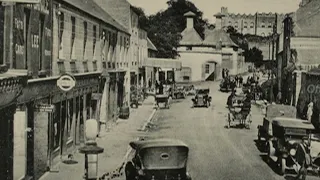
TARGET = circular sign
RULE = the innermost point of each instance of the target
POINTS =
(66, 82)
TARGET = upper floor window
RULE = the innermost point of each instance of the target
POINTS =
(73, 33)
(251, 25)
(94, 37)
(263, 25)
(270, 25)
(207, 69)
(85, 27)
(245, 25)
(236, 25)
(229, 23)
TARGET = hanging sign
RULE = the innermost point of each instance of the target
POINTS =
(22, 1)
(66, 82)
(45, 107)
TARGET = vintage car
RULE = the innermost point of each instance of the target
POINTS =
(158, 159)
(202, 98)
(237, 114)
(180, 92)
(272, 111)
(287, 133)
(225, 85)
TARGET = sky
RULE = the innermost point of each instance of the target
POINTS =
(211, 7)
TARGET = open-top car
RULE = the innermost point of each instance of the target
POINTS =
(272, 111)
(202, 98)
(158, 159)
(287, 134)
(180, 92)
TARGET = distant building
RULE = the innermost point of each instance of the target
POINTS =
(204, 59)
(260, 24)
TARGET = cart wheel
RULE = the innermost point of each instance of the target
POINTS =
(282, 167)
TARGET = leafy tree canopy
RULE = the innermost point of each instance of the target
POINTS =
(164, 27)
(254, 55)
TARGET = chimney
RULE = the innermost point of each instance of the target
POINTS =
(219, 17)
(190, 17)
(224, 10)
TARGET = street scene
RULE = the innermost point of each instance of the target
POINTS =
(164, 90)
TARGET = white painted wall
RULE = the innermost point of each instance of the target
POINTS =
(195, 61)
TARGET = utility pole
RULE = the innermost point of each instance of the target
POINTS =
(274, 36)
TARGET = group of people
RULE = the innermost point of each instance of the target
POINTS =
(246, 104)
(225, 73)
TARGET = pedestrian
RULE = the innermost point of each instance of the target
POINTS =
(223, 73)
(227, 72)
(310, 111)
(237, 80)
(157, 87)
(303, 159)
(150, 83)
(161, 88)
(240, 81)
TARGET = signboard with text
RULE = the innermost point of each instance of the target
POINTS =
(21, 1)
(45, 108)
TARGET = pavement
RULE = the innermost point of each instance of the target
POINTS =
(115, 143)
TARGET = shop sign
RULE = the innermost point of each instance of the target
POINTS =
(96, 96)
(313, 88)
(66, 82)
(45, 107)
(22, 1)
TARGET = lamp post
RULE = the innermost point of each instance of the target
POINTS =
(91, 150)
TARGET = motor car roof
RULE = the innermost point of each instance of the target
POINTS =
(292, 123)
(139, 145)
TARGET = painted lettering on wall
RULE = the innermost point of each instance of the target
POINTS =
(47, 32)
(19, 49)
(313, 89)
(18, 23)
(35, 41)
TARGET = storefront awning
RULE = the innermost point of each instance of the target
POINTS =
(163, 63)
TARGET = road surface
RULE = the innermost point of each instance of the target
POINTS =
(216, 153)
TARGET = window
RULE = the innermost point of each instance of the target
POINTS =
(73, 33)
(56, 127)
(26, 31)
(186, 78)
(94, 38)
(263, 25)
(61, 30)
(251, 25)
(85, 27)
(207, 69)
(270, 25)
(41, 35)
(229, 24)
(263, 35)
(245, 25)
(189, 48)
(236, 25)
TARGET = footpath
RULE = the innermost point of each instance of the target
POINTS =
(115, 143)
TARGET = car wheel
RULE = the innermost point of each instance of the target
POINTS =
(282, 167)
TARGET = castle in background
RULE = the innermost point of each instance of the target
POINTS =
(260, 24)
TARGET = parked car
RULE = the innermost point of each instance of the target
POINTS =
(273, 111)
(287, 134)
(158, 159)
(202, 98)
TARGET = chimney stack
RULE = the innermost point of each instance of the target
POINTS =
(219, 17)
(190, 17)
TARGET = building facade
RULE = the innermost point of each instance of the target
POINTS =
(260, 24)
(52, 38)
(204, 59)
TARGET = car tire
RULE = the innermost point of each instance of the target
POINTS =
(282, 166)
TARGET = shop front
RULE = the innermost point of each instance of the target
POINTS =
(55, 120)
(11, 86)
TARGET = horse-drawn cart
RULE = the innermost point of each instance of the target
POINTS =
(162, 98)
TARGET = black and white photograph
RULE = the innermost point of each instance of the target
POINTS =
(159, 90)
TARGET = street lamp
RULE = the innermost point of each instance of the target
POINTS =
(91, 150)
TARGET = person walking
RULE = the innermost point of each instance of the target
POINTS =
(157, 87)
(240, 81)
(237, 80)
(310, 111)
(161, 88)
(223, 73)
(303, 159)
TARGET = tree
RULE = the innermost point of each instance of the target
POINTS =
(164, 27)
(255, 56)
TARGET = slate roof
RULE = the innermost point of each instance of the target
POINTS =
(105, 7)
(214, 36)
(151, 45)
(190, 37)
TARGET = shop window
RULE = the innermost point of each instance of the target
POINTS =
(70, 119)
(88, 105)
(57, 127)
(207, 69)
